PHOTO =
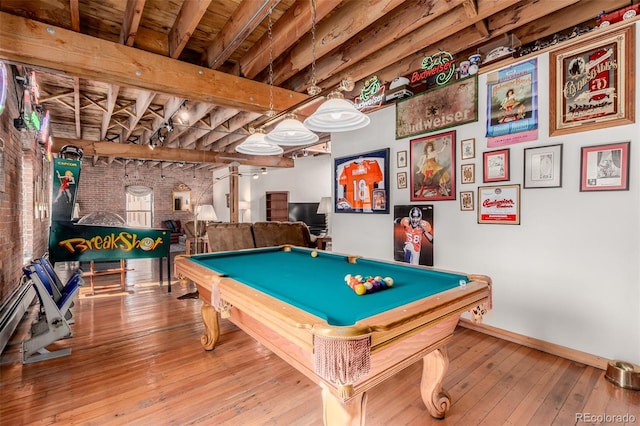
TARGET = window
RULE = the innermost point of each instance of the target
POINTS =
(139, 206)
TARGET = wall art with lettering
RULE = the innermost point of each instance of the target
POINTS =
(440, 108)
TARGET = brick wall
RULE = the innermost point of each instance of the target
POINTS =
(22, 159)
(102, 187)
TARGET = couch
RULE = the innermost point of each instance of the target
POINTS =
(239, 236)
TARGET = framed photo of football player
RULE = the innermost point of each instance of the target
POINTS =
(362, 183)
(433, 162)
(413, 234)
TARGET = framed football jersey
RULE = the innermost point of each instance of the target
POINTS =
(362, 183)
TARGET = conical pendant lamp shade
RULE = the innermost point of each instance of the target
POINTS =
(336, 115)
(291, 132)
(256, 145)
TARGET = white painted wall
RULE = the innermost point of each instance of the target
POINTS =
(569, 274)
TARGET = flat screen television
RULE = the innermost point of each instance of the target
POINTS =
(306, 212)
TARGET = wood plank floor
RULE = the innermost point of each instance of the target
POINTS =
(137, 360)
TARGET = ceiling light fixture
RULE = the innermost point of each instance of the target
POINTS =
(256, 144)
(336, 115)
(291, 132)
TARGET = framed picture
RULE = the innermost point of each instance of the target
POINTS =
(413, 230)
(439, 108)
(592, 83)
(362, 183)
(466, 201)
(605, 167)
(402, 159)
(402, 180)
(496, 165)
(468, 149)
(543, 167)
(499, 204)
(433, 170)
(468, 173)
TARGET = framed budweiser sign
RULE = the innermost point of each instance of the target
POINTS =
(591, 83)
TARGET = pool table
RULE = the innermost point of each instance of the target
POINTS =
(295, 301)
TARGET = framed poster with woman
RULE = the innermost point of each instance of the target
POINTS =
(433, 171)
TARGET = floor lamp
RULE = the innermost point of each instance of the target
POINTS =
(325, 207)
(204, 213)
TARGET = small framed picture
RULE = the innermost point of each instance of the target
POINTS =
(402, 180)
(543, 167)
(499, 204)
(402, 159)
(466, 201)
(468, 172)
(605, 167)
(496, 165)
(468, 149)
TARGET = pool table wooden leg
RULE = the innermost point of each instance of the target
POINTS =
(336, 412)
(211, 327)
(435, 365)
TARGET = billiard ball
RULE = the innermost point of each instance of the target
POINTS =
(360, 289)
(314, 253)
(389, 281)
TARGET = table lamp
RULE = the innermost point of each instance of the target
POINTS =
(325, 207)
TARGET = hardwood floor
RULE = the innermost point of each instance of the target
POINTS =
(136, 359)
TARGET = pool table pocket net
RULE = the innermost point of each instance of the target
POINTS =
(342, 361)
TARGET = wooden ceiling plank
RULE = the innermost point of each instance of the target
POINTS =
(394, 25)
(351, 18)
(432, 36)
(525, 12)
(244, 20)
(69, 106)
(93, 103)
(186, 22)
(131, 21)
(136, 151)
(286, 31)
(74, 54)
(112, 97)
(75, 15)
(557, 21)
(235, 125)
(185, 135)
(54, 97)
(76, 106)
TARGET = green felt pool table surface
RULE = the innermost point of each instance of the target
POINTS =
(317, 285)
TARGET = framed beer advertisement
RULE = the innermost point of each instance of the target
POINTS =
(499, 204)
(605, 167)
(591, 83)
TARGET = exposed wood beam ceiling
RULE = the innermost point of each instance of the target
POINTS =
(113, 73)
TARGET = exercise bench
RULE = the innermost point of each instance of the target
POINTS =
(60, 288)
(51, 324)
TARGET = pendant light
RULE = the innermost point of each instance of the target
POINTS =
(291, 132)
(256, 144)
(336, 115)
